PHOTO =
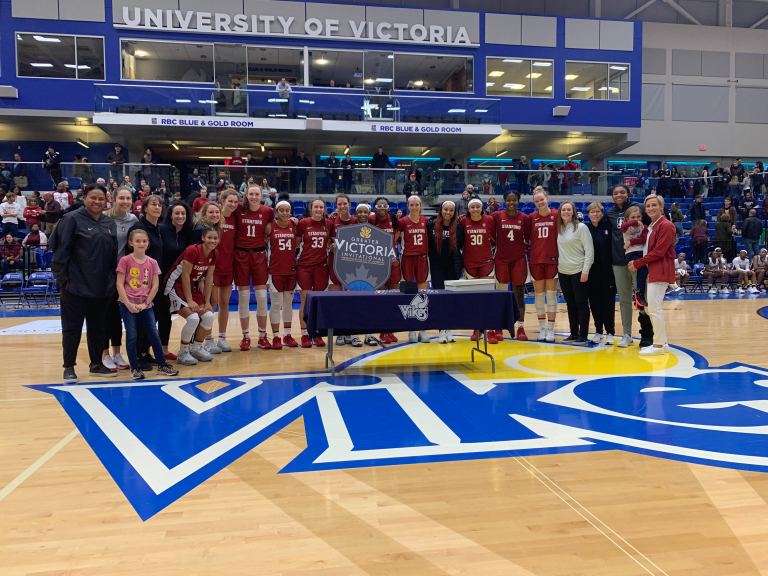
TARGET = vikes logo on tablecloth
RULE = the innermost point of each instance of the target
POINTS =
(418, 308)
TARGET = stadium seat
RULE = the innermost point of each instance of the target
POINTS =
(40, 288)
(11, 285)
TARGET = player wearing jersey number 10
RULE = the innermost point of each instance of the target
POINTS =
(542, 236)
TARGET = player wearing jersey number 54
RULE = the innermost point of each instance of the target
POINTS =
(576, 255)
(659, 257)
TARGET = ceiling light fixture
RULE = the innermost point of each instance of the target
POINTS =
(174, 145)
(346, 150)
(47, 39)
(619, 68)
(533, 75)
(581, 89)
(542, 64)
(82, 142)
(41, 65)
(496, 73)
(263, 149)
(512, 61)
(514, 86)
(573, 155)
(427, 151)
(571, 76)
(500, 154)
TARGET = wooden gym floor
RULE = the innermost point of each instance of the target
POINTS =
(590, 512)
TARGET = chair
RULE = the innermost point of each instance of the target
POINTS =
(695, 280)
(40, 288)
(11, 285)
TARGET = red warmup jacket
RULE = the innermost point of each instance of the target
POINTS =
(660, 256)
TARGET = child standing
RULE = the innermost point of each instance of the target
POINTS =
(635, 236)
(138, 279)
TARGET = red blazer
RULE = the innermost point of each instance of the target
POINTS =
(660, 256)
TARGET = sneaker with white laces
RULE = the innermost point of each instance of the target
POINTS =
(607, 340)
(109, 363)
(754, 290)
(550, 336)
(713, 290)
(441, 337)
(423, 336)
(223, 345)
(654, 350)
(542, 335)
(185, 358)
(724, 290)
(201, 354)
(413, 336)
(597, 338)
(120, 362)
(355, 341)
(211, 347)
(740, 290)
(626, 341)
(371, 340)
(340, 341)
(449, 336)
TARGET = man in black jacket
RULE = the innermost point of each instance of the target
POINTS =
(52, 165)
(751, 231)
(333, 174)
(84, 245)
(380, 161)
(697, 211)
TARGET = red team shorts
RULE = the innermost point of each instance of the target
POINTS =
(249, 264)
(222, 279)
(284, 283)
(394, 275)
(514, 272)
(543, 271)
(177, 302)
(312, 277)
(331, 273)
(479, 271)
(415, 268)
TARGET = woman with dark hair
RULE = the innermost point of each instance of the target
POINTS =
(84, 260)
(176, 235)
(446, 238)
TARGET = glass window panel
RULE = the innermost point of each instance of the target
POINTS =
(379, 70)
(46, 55)
(231, 66)
(167, 61)
(618, 81)
(586, 80)
(339, 69)
(519, 77)
(267, 65)
(90, 58)
(433, 72)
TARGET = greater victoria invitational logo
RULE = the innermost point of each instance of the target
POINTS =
(161, 439)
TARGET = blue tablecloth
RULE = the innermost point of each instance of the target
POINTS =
(370, 312)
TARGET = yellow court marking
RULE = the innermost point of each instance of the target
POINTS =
(211, 386)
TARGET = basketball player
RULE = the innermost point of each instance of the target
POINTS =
(381, 218)
(542, 236)
(363, 213)
(341, 217)
(479, 235)
(282, 273)
(222, 279)
(250, 264)
(414, 262)
(510, 264)
(312, 267)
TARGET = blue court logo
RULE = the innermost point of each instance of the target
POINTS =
(159, 440)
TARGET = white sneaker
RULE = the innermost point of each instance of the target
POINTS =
(754, 290)
(449, 336)
(713, 290)
(654, 350)
(597, 338)
(550, 335)
(423, 336)
(108, 362)
(120, 362)
(542, 335)
(340, 341)
(370, 340)
(185, 358)
(211, 347)
(724, 290)
(413, 336)
(607, 340)
(739, 290)
(626, 341)
(441, 337)
(356, 342)
(223, 345)
(201, 354)
(676, 290)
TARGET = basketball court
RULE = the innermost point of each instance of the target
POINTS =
(410, 461)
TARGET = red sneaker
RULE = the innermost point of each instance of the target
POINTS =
(475, 335)
(276, 343)
(319, 342)
(245, 344)
(170, 356)
(384, 337)
(392, 337)
(289, 341)
(264, 343)
(521, 335)
(305, 341)
(500, 335)
(492, 337)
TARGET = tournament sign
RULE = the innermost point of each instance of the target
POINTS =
(363, 256)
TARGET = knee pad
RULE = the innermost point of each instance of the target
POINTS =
(287, 307)
(261, 303)
(541, 307)
(274, 310)
(551, 301)
(190, 326)
(206, 321)
(243, 301)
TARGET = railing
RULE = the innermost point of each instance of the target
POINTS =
(37, 176)
(348, 105)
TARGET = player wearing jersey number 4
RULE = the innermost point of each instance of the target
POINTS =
(542, 236)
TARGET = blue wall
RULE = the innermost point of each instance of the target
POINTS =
(79, 95)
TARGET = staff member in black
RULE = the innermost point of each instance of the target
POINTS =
(84, 247)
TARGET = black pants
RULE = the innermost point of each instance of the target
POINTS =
(75, 310)
(114, 324)
(576, 295)
(602, 301)
(440, 272)
(700, 253)
(163, 316)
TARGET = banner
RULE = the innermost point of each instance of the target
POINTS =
(363, 256)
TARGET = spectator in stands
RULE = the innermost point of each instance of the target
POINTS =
(347, 173)
(52, 212)
(32, 212)
(602, 286)
(10, 212)
(332, 173)
(250, 181)
(675, 179)
(200, 201)
(570, 176)
(380, 163)
(697, 211)
(682, 269)
(193, 181)
(63, 196)
(742, 271)
(19, 172)
(162, 190)
(705, 181)
(554, 180)
(758, 179)
(724, 230)
(699, 241)
(11, 254)
(300, 173)
(52, 164)
(270, 164)
(719, 180)
(236, 168)
(493, 205)
(283, 89)
(664, 174)
(116, 159)
(412, 187)
(128, 184)
(85, 256)
(751, 232)
(737, 173)
(716, 270)
(677, 218)
(659, 258)
(37, 242)
(728, 208)
(523, 170)
(452, 179)
(759, 265)
(746, 205)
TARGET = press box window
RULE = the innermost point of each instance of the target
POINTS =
(531, 78)
(59, 56)
(597, 80)
(166, 61)
(335, 68)
(433, 72)
(267, 65)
